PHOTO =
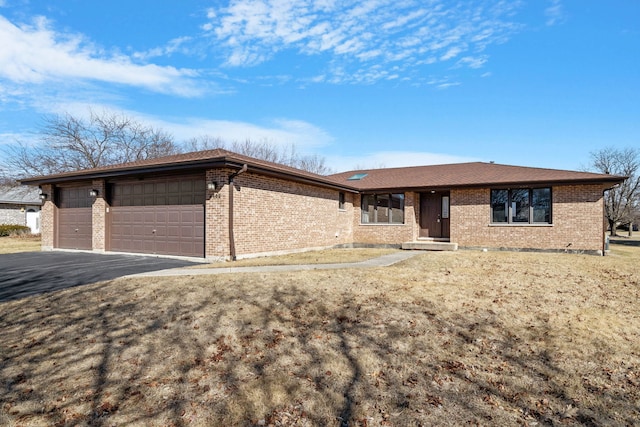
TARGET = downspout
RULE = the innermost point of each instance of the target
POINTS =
(232, 240)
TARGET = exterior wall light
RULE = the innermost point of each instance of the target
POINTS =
(43, 196)
(93, 193)
(212, 186)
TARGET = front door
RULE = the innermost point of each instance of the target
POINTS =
(434, 214)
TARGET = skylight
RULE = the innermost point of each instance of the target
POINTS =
(357, 177)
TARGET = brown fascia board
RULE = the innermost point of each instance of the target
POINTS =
(182, 166)
(614, 180)
(299, 178)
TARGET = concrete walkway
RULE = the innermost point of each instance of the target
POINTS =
(383, 261)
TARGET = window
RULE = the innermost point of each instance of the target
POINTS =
(382, 209)
(357, 177)
(541, 203)
(341, 201)
(521, 206)
(445, 207)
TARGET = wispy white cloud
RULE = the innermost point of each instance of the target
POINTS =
(359, 37)
(554, 12)
(442, 83)
(306, 136)
(36, 54)
(451, 53)
(279, 131)
(473, 61)
(390, 159)
(283, 132)
(178, 44)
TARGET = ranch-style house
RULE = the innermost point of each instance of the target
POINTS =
(221, 205)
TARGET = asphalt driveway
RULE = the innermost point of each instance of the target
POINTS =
(30, 273)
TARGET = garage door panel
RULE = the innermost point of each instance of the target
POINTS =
(161, 232)
(176, 217)
(161, 215)
(74, 228)
(74, 219)
(175, 233)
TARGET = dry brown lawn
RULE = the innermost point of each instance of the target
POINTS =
(495, 338)
(25, 243)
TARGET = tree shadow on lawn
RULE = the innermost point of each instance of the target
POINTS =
(625, 241)
(251, 352)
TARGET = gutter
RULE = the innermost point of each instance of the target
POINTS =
(177, 167)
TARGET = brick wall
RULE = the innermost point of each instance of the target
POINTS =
(394, 234)
(11, 214)
(577, 213)
(273, 215)
(217, 215)
(99, 216)
(47, 219)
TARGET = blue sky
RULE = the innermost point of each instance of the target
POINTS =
(368, 83)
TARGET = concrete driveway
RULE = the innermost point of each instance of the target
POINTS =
(30, 273)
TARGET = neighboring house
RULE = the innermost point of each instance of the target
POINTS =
(221, 205)
(20, 205)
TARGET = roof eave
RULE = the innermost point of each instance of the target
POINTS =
(613, 181)
(183, 166)
(300, 178)
(20, 202)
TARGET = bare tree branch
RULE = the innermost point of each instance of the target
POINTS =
(263, 150)
(622, 203)
(69, 143)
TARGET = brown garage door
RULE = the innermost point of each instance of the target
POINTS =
(73, 228)
(158, 216)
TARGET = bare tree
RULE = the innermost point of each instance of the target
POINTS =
(71, 143)
(263, 150)
(621, 202)
(5, 179)
(204, 142)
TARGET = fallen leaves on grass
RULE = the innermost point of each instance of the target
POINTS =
(441, 339)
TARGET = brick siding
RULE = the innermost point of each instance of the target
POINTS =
(99, 216)
(217, 215)
(273, 215)
(577, 216)
(47, 219)
(393, 234)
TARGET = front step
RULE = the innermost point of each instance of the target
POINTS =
(430, 246)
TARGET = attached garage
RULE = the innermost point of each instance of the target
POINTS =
(251, 207)
(73, 220)
(160, 215)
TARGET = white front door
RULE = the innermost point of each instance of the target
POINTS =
(33, 220)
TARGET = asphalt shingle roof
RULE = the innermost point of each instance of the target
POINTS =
(417, 177)
(464, 175)
(197, 159)
(19, 195)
